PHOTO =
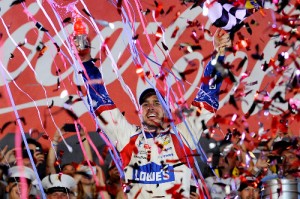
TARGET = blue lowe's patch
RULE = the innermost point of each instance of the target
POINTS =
(153, 174)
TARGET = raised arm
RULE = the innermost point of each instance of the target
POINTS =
(208, 95)
(111, 120)
(51, 158)
(86, 145)
(207, 98)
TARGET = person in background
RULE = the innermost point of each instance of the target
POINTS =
(224, 161)
(51, 158)
(38, 155)
(155, 161)
(8, 157)
(90, 181)
(249, 188)
(291, 159)
(59, 186)
(3, 171)
(114, 182)
(14, 182)
(68, 169)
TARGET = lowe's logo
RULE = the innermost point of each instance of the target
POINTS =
(153, 174)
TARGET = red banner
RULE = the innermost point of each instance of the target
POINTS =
(38, 64)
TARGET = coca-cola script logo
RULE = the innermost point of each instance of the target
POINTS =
(34, 72)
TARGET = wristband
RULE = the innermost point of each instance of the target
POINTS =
(54, 143)
(84, 139)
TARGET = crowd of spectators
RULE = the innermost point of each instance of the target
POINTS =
(235, 171)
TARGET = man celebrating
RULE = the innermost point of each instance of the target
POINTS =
(157, 157)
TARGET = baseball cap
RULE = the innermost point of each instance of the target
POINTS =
(145, 94)
(248, 181)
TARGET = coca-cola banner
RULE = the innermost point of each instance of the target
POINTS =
(41, 86)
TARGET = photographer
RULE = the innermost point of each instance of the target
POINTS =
(8, 157)
(38, 155)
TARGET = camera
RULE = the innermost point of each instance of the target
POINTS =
(71, 127)
(193, 189)
(25, 154)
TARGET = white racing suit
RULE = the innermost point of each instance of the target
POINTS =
(157, 165)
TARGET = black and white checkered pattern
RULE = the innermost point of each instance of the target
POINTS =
(225, 15)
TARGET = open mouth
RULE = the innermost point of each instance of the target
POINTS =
(151, 115)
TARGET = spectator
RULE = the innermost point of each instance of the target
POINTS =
(38, 155)
(52, 161)
(3, 171)
(83, 176)
(59, 186)
(90, 183)
(155, 161)
(224, 161)
(291, 159)
(8, 157)
(194, 195)
(114, 182)
(68, 169)
(249, 189)
(14, 182)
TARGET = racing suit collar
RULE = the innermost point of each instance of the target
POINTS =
(155, 133)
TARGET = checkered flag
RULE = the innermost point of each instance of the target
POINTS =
(225, 15)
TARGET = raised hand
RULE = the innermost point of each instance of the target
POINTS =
(2, 153)
(7, 157)
(38, 157)
(221, 41)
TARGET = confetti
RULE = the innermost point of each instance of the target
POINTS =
(175, 32)
(242, 63)
(187, 39)
(119, 6)
(164, 46)
(16, 2)
(87, 13)
(67, 20)
(40, 27)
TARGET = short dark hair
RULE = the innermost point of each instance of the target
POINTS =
(32, 141)
(67, 164)
(250, 183)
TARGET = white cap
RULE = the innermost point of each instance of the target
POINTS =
(58, 183)
(21, 171)
(86, 169)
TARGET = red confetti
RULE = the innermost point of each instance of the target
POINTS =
(175, 32)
